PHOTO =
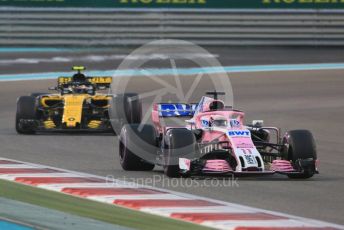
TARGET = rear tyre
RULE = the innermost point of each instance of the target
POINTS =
(133, 107)
(26, 111)
(300, 148)
(180, 143)
(135, 143)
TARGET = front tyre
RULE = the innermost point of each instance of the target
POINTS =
(179, 143)
(300, 148)
(26, 115)
(137, 147)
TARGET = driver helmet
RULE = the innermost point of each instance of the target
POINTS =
(79, 77)
(218, 121)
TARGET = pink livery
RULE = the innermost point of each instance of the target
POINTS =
(211, 138)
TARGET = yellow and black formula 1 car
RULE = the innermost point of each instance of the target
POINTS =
(77, 106)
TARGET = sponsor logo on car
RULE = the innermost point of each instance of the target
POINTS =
(173, 110)
(234, 123)
(250, 159)
(239, 133)
(205, 123)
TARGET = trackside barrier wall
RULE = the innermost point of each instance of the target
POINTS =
(93, 23)
(174, 4)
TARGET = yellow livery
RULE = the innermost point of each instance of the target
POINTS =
(77, 106)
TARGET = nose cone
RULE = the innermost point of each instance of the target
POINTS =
(73, 110)
(71, 122)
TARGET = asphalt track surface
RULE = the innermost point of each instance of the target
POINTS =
(311, 100)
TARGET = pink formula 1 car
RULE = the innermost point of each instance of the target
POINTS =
(214, 141)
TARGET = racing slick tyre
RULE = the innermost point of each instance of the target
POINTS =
(301, 150)
(26, 110)
(135, 143)
(126, 109)
(179, 143)
(133, 108)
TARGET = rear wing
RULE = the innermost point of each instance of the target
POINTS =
(100, 82)
(175, 109)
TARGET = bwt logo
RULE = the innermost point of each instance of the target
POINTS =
(244, 133)
(171, 110)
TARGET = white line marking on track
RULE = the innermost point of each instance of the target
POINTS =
(211, 209)
(257, 223)
(17, 166)
(59, 187)
(137, 197)
(37, 175)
